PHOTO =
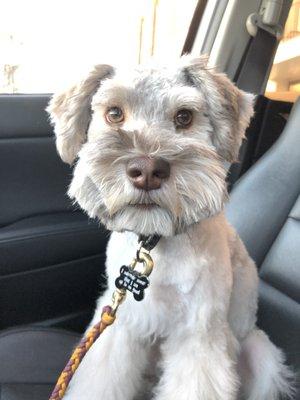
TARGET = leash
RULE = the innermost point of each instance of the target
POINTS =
(129, 280)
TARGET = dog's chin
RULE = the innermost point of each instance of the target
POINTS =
(150, 219)
(142, 219)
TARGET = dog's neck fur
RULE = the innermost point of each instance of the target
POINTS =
(182, 265)
(201, 240)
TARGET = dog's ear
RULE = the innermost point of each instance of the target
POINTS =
(70, 112)
(230, 109)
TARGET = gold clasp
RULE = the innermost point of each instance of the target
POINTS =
(118, 297)
(143, 257)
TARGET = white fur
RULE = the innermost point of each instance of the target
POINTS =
(262, 368)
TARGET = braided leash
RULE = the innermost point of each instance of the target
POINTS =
(107, 318)
(108, 315)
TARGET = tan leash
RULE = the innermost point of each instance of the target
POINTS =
(133, 278)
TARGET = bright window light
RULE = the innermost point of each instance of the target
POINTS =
(46, 44)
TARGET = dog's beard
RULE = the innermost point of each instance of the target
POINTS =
(142, 221)
(194, 191)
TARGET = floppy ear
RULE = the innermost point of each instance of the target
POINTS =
(230, 109)
(70, 112)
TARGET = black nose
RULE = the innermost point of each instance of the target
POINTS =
(148, 173)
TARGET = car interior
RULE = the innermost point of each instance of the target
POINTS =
(52, 255)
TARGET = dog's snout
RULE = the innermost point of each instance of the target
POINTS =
(148, 173)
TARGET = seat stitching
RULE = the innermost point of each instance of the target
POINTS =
(278, 290)
(38, 330)
(264, 256)
(54, 266)
(67, 231)
(294, 218)
(26, 383)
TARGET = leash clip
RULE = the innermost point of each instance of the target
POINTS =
(118, 297)
(134, 277)
(143, 257)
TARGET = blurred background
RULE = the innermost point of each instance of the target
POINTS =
(45, 45)
(284, 81)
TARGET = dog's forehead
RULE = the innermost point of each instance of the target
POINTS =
(157, 84)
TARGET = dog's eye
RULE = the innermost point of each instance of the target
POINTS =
(114, 115)
(183, 118)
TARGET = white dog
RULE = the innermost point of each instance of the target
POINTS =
(150, 145)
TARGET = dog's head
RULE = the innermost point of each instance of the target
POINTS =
(150, 143)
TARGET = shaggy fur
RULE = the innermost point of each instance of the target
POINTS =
(194, 335)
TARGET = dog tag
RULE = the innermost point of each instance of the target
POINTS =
(132, 281)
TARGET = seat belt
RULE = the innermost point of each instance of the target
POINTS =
(256, 62)
(251, 74)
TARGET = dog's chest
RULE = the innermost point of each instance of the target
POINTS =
(176, 272)
(176, 264)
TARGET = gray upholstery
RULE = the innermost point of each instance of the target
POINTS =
(57, 260)
(51, 254)
(19, 241)
(31, 360)
(263, 198)
(33, 180)
(265, 209)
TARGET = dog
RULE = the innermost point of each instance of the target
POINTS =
(150, 145)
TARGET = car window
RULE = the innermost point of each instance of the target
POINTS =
(47, 43)
(284, 80)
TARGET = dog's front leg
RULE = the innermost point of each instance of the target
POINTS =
(112, 369)
(199, 367)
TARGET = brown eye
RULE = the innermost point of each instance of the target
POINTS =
(183, 118)
(114, 115)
